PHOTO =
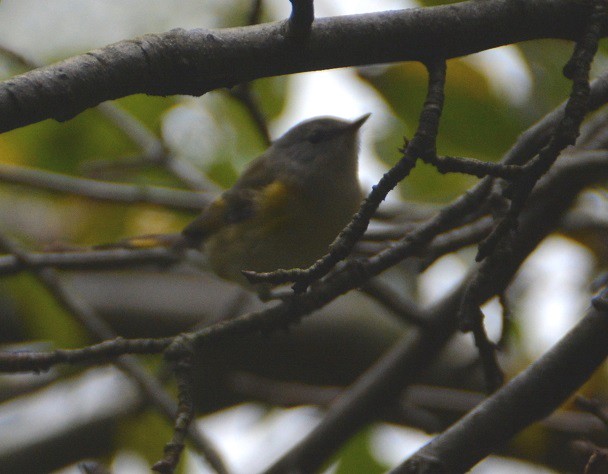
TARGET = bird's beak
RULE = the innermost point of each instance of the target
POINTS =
(356, 124)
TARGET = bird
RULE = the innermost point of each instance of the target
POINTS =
(286, 207)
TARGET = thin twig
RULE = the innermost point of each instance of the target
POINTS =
(496, 247)
(185, 414)
(103, 191)
(301, 18)
(88, 259)
(565, 134)
(473, 167)
(406, 310)
(103, 352)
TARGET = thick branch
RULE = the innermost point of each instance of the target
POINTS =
(531, 396)
(196, 61)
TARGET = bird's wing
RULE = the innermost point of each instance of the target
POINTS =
(234, 205)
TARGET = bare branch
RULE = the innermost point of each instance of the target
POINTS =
(103, 191)
(183, 418)
(301, 18)
(197, 61)
(529, 397)
(565, 134)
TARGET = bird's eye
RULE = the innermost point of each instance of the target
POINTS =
(316, 136)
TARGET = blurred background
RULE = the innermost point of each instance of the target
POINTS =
(263, 393)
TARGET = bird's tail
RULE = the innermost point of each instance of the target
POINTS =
(175, 241)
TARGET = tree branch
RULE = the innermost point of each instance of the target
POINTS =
(529, 397)
(301, 18)
(101, 190)
(197, 61)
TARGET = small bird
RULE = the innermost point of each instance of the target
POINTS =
(288, 205)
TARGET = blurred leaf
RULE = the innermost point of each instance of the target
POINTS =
(234, 13)
(242, 138)
(223, 173)
(103, 223)
(474, 123)
(42, 316)
(603, 49)
(147, 109)
(61, 147)
(356, 457)
(146, 433)
(270, 94)
(217, 133)
(546, 60)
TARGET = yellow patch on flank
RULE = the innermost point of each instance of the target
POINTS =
(276, 205)
(275, 195)
(151, 221)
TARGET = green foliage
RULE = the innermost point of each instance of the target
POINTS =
(475, 122)
(62, 147)
(271, 94)
(240, 131)
(42, 316)
(147, 109)
(145, 433)
(546, 60)
(356, 457)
